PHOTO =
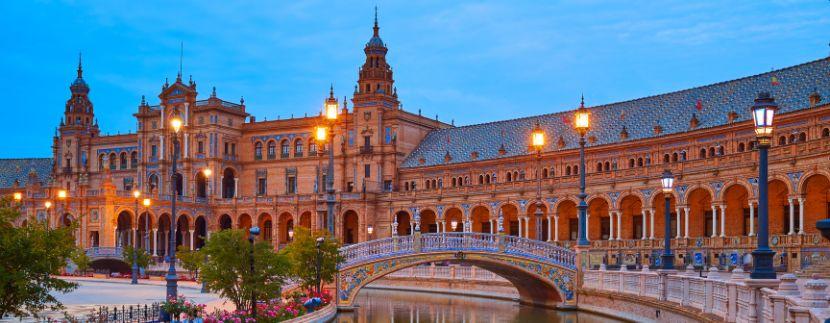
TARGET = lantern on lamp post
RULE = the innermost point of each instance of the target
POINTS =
(668, 185)
(582, 122)
(537, 138)
(763, 113)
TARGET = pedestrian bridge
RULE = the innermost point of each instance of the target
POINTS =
(543, 274)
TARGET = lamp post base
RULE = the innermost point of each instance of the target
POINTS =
(762, 264)
(668, 261)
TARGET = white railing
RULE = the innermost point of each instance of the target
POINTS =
(458, 241)
(732, 297)
(104, 252)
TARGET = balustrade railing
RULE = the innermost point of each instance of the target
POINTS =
(458, 241)
(729, 296)
(104, 252)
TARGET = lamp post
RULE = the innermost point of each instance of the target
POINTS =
(172, 278)
(253, 232)
(325, 134)
(668, 184)
(134, 274)
(146, 202)
(454, 225)
(369, 230)
(763, 112)
(18, 199)
(537, 138)
(319, 260)
(62, 196)
(582, 122)
(290, 234)
(47, 205)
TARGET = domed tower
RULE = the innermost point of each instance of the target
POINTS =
(375, 82)
(79, 112)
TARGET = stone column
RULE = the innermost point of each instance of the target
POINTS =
(611, 223)
(645, 224)
(527, 227)
(155, 242)
(714, 220)
(800, 215)
(678, 218)
(191, 239)
(236, 187)
(521, 228)
(555, 227)
(587, 226)
(751, 219)
(723, 220)
(619, 225)
(651, 212)
(686, 210)
(792, 217)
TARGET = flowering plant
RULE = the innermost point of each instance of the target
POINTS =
(176, 306)
(276, 310)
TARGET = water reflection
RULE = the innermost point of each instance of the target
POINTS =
(403, 306)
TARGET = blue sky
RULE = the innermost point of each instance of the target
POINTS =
(468, 61)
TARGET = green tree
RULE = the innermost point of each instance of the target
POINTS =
(227, 270)
(30, 257)
(302, 254)
(142, 257)
(190, 260)
(81, 260)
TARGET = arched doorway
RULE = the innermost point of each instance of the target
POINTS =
(201, 232)
(153, 183)
(633, 226)
(816, 198)
(779, 208)
(599, 220)
(480, 216)
(428, 223)
(228, 183)
(531, 216)
(183, 231)
(701, 216)
(736, 198)
(510, 215)
(453, 215)
(351, 231)
(66, 220)
(305, 220)
(659, 210)
(245, 222)
(404, 228)
(178, 183)
(285, 223)
(145, 224)
(568, 221)
(225, 222)
(123, 229)
(163, 235)
(267, 226)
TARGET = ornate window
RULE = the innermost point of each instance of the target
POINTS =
(298, 148)
(258, 151)
(134, 159)
(272, 149)
(123, 160)
(284, 149)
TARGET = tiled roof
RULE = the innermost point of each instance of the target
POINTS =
(711, 104)
(18, 169)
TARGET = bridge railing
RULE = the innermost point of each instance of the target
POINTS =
(458, 241)
(104, 252)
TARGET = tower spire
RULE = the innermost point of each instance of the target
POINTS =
(376, 22)
(331, 91)
(582, 101)
(80, 66)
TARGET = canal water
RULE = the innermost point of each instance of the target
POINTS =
(376, 305)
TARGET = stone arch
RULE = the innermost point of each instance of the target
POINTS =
(699, 201)
(453, 214)
(228, 182)
(123, 228)
(244, 221)
(201, 183)
(144, 226)
(566, 210)
(305, 219)
(742, 183)
(510, 216)
(685, 198)
(599, 217)
(285, 222)
(531, 216)
(631, 208)
(183, 222)
(816, 194)
(429, 221)
(201, 232)
(736, 198)
(351, 229)
(225, 222)
(538, 284)
(480, 219)
(403, 219)
(778, 207)
(266, 225)
(163, 234)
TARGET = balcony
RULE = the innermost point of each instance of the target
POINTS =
(365, 150)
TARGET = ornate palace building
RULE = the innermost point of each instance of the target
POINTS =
(398, 172)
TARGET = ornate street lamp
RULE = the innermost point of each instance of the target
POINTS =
(537, 138)
(763, 112)
(369, 230)
(18, 196)
(454, 225)
(668, 184)
(134, 274)
(323, 135)
(172, 278)
(207, 172)
(47, 205)
(146, 202)
(582, 122)
(290, 234)
(253, 232)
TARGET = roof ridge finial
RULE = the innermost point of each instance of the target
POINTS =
(80, 65)
(143, 101)
(331, 91)
(213, 93)
(582, 100)
(375, 28)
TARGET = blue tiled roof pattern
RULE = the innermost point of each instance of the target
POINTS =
(790, 86)
(18, 169)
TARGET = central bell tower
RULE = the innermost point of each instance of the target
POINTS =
(375, 85)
